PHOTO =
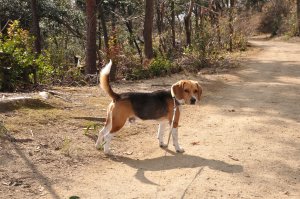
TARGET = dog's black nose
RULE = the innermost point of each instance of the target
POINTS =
(193, 100)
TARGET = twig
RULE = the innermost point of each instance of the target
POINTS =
(59, 95)
(5, 25)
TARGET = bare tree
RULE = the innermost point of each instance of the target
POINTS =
(188, 23)
(104, 27)
(35, 29)
(91, 46)
(231, 29)
(148, 27)
(298, 16)
(173, 22)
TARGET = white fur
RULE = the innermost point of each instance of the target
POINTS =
(175, 140)
(172, 91)
(106, 69)
(181, 101)
(105, 136)
(103, 132)
(107, 139)
(160, 134)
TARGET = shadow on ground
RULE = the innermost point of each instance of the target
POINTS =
(25, 103)
(173, 162)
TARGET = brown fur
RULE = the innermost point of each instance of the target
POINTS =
(185, 89)
(104, 82)
(121, 109)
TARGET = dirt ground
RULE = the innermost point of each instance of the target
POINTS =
(242, 141)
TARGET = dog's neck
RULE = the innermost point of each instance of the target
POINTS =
(179, 102)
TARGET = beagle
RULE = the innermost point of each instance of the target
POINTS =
(157, 105)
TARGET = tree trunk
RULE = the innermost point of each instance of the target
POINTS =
(173, 23)
(91, 46)
(148, 27)
(158, 16)
(231, 29)
(196, 18)
(129, 28)
(160, 9)
(35, 29)
(188, 23)
(104, 28)
(298, 16)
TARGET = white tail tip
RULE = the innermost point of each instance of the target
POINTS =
(106, 69)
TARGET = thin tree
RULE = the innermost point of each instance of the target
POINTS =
(188, 23)
(160, 12)
(231, 29)
(173, 22)
(104, 27)
(298, 16)
(35, 29)
(91, 46)
(148, 27)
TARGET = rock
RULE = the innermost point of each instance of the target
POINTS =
(44, 95)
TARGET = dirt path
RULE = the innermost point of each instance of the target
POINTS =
(243, 141)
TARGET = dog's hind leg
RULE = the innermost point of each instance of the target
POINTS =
(104, 138)
(104, 131)
(160, 134)
(118, 117)
(100, 138)
(106, 147)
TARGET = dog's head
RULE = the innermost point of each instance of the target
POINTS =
(186, 91)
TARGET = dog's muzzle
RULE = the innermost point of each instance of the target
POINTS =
(193, 100)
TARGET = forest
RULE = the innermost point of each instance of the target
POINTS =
(66, 42)
(221, 78)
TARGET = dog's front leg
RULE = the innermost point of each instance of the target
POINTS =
(160, 134)
(175, 141)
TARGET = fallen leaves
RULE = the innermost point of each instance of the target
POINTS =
(195, 143)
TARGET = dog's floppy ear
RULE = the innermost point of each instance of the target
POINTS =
(177, 90)
(199, 90)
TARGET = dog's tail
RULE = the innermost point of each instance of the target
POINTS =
(104, 81)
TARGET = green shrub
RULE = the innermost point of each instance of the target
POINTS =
(160, 67)
(19, 61)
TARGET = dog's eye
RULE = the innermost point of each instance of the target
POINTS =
(186, 90)
(195, 91)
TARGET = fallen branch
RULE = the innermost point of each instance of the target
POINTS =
(14, 99)
(58, 95)
(161, 85)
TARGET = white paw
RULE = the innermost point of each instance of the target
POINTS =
(163, 145)
(179, 149)
(107, 152)
(98, 145)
